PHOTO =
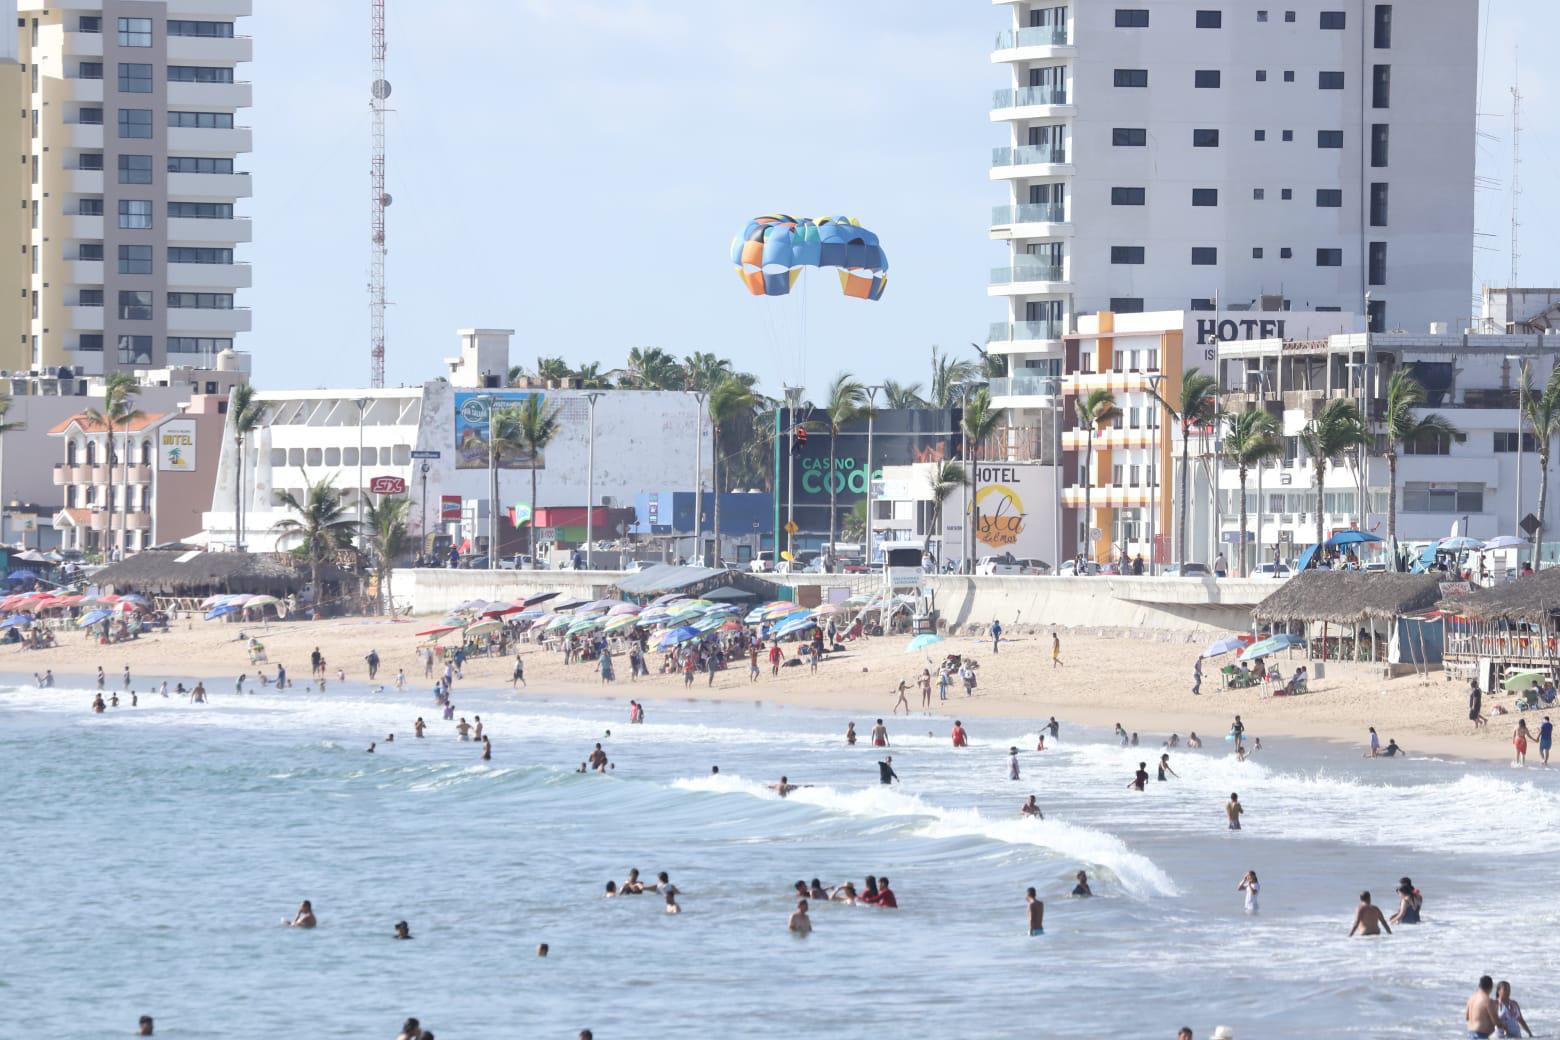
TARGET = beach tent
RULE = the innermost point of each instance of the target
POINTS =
(1346, 611)
(1417, 639)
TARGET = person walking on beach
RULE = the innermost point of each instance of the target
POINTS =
(1234, 810)
(903, 686)
(753, 662)
(800, 923)
(372, 658)
(775, 656)
(1035, 912)
(944, 679)
(1056, 651)
(879, 734)
(1197, 677)
(886, 774)
(518, 678)
(1369, 920)
(1482, 1020)
(1519, 740)
(996, 635)
(1475, 705)
(1251, 887)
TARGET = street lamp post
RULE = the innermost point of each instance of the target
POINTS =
(1521, 406)
(1154, 381)
(590, 485)
(488, 400)
(423, 528)
(793, 398)
(362, 405)
(698, 477)
(872, 392)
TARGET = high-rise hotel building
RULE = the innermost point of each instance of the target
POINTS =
(1311, 155)
(131, 153)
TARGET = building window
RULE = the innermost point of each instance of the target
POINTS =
(1285, 253)
(1131, 18)
(1286, 194)
(135, 169)
(135, 214)
(89, 251)
(1262, 75)
(1205, 196)
(1258, 194)
(135, 259)
(135, 350)
(1206, 78)
(1261, 16)
(1210, 19)
(332, 456)
(1378, 205)
(1126, 254)
(1202, 304)
(198, 164)
(1256, 253)
(1506, 442)
(1383, 26)
(1428, 444)
(1205, 139)
(1334, 20)
(89, 116)
(202, 120)
(1289, 16)
(1376, 315)
(1378, 145)
(135, 32)
(200, 255)
(204, 301)
(135, 123)
(1329, 139)
(200, 345)
(89, 70)
(90, 207)
(1259, 135)
(89, 161)
(1381, 86)
(1127, 196)
(1329, 258)
(1126, 304)
(1329, 81)
(135, 305)
(89, 298)
(135, 78)
(370, 456)
(199, 74)
(1131, 77)
(1329, 198)
(92, 341)
(1378, 263)
(1288, 135)
(1204, 256)
(1289, 75)
(1128, 137)
(201, 210)
(215, 30)
(89, 23)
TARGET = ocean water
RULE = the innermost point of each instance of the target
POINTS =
(151, 853)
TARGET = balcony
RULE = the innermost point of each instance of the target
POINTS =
(135, 520)
(1031, 220)
(1004, 335)
(206, 96)
(1045, 387)
(1028, 279)
(195, 231)
(1030, 160)
(210, 8)
(209, 50)
(209, 276)
(199, 186)
(84, 135)
(85, 272)
(1029, 103)
(1078, 440)
(88, 91)
(83, 45)
(85, 226)
(188, 321)
(1034, 36)
(84, 182)
(192, 140)
(96, 473)
(86, 319)
(63, 474)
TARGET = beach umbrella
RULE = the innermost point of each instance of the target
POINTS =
(604, 604)
(88, 620)
(626, 608)
(135, 597)
(921, 642)
(795, 626)
(827, 608)
(754, 616)
(709, 624)
(661, 601)
(677, 636)
(540, 597)
(1522, 680)
(1458, 544)
(619, 622)
(1351, 537)
(1271, 645)
(1219, 647)
(1505, 541)
(780, 609)
(22, 575)
(261, 601)
(700, 603)
(16, 621)
(221, 611)
(468, 605)
(731, 625)
(436, 632)
(683, 617)
(568, 604)
(587, 624)
(559, 621)
(496, 610)
(528, 615)
(482, 628)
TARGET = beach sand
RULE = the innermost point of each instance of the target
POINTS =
(1144, 683)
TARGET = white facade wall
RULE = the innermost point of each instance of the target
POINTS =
(1425, 171)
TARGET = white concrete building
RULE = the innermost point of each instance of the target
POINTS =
(1165, 156)
(134, 150)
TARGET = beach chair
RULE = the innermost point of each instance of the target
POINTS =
(1528, 700)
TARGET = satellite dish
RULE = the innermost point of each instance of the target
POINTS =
(385, 199)
(380, 89)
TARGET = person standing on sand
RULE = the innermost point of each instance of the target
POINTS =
(753, 662)
(1234, 810)
(1056, 651)
(1369, 920)
(1197, 677)
(1475, 704)
(996, 635)
(1375, 744)
(1035, 912)
(944, 679)
(879, 734)
(903, 686)
(925, 683)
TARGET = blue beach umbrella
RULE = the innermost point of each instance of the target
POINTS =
(22, 575)
(88, 620)
(1271, 645)
(677, 636)
(1351, 537)
(922, 642)
(211, 615)
(16, 621)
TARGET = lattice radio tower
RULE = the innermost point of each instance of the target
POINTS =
(379, 93)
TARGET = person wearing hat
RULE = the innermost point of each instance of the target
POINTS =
(1223, 1033)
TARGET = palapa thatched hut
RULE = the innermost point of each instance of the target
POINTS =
(1347, 615)
(1508, 626)
(193, 574)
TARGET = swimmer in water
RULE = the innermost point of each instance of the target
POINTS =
(98, 706)
(487, 750)
(419, 726)
(1013, 763)
(402, 930)
(800, 923)
(389, 738)
(1164, 767)
(305, 916)
(1139, 781)
(598, 759)
(1082, 889)
(1031, 808)
(1234, 810)
(880, 735)
(400, 678)
(784, 787)
(1193, 741)
(113, 700)
(671, 902)
(463, 728)
(1240, 753)
(850, 733)
(371, 746)
(1368, 918)
(1041, 745)
(238, 686)
(1036, 912)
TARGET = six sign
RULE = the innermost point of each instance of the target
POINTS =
(387, 485)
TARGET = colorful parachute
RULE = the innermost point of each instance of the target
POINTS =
(771, 252)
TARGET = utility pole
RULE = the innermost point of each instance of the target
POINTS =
(793, 398)
(872, 392)
(590, 485)
(379, 93)
(698, 478)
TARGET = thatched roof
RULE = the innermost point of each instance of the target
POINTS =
(1349, 597)
(695, 581)
(184, 572)
(1533, 598)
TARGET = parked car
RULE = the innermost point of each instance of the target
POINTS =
(1188, 570)
(764, 563)
(1035, 566)
(1005, 565)
(1277, 571)
(1069, 568)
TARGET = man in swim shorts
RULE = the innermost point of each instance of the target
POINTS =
(1481, 1010)
(1234, 810)
(1546, 735)
(1369, 920)
(1036, 912)
(880, 734)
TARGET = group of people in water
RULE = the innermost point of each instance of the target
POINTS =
(662, 886)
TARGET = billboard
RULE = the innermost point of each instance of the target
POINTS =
(1015, 510)
(176, 446)
(900, 437)
(471, 430)
(449, 508)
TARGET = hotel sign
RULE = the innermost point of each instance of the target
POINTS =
(1291, 326)
(176, 446)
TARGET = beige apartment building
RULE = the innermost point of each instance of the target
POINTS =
(130, 151)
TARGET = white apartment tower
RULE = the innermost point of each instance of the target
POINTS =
(133, 151)
(1261, 154)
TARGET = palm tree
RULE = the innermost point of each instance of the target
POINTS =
(532, 427)
(651, 368)
(947, 376)
(847, 397)
(1250, 439)
(1336, 429)
(247, 415)
(385, 521)
(981, 420)
(1195, 408)
(6, 427)
(321, 522)
(943, 477)
(1404, 394)
(1094, 411)
(1542, 414)
(992, 366)
(590, 377)
(902, 395)
(552, 369)
(703, 371)
(119, 391)
(516, 375)
(731, 406)
(854, 527)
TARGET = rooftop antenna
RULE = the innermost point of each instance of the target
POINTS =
(1516, 170)
(379, 93)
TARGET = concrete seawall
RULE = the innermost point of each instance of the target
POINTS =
(1170, 606)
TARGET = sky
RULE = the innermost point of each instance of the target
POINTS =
(575, 170)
